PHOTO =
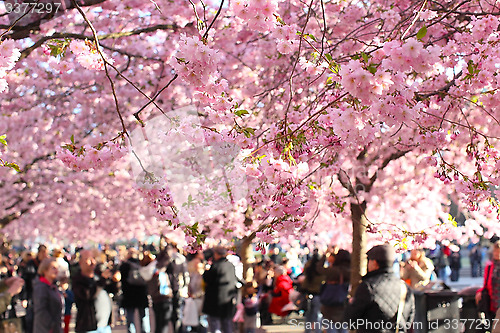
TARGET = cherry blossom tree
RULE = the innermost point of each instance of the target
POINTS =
(360, 118)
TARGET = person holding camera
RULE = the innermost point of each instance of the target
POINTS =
(417, 270)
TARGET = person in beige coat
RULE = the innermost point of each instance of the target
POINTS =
(417, 270)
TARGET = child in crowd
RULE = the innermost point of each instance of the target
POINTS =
(69, 299)
(250, 301)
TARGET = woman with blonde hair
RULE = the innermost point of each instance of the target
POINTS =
(47, 299)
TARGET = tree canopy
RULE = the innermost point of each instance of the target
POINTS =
(280, 114)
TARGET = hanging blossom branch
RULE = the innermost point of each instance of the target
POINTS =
(106, 62)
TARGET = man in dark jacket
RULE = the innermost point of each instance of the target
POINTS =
(92, 302)
(178, 269)
(374, 307)
(220, 293)
(135, 293)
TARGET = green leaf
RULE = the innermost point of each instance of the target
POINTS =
(364, 56)
(2, 139)
(248, 132)
(329, 57)
(13, 166)
(372, 68)
(470, 67)
(422, 32)
(334, 67)
(240, 113)
(73, 139)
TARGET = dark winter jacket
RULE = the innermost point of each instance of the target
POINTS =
(29, 273)
(134, 295)
(220, 289)
(335, 274)
(85, 291)
(47, 301)
(376, 301)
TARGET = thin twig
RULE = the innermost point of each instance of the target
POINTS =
(294, 66)
(136, 114)
(205, 35)
(19, 19)
(106, 63)
(414, 20)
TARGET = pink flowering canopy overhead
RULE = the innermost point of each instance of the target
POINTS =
(296, 110)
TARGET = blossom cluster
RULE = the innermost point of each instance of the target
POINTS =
(278, 193)
(484, 26)
(88, 157)
(286, 38)
(9, 54)
(87, 55)
(158, 197)
(257, 14)
(408, 55)
(363, 84)
(196, 64)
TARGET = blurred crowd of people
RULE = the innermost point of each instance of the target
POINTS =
(208, 291)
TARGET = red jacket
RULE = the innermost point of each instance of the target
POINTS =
(488, 273)
(282, 289)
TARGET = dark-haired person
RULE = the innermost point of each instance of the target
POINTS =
(337, 272)
(220, 293)
(160, 290)
(374, 306)
(92, 301)
(311, 285)
(47, 300)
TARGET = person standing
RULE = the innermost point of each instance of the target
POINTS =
(311, 285)
(160, 290)
(93, 307)
(47, 300)
(475, 260)
(196, 268)
(178, 268)
(135, 293)
(491, 282)
(337, 272)
(29, 274)
(417, 270)
(220, 292)
(378, 297)
(455, 262)
(283, 284)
